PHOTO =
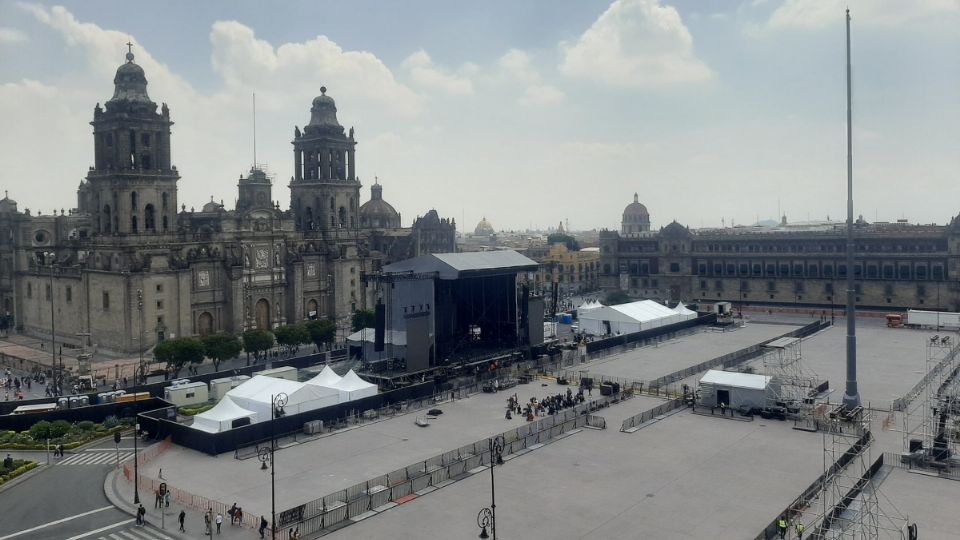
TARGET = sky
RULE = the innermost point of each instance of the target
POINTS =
(716, 112)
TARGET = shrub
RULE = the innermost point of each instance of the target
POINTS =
(86, 425)
(111, 422)
(59, 428)
(41, 430)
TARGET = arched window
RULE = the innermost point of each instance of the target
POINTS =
(133, 223)
(343, 216)
(164, 200)
(149, 218)
(107, 218)
(166, 225)
(133, 200)
(332, 203)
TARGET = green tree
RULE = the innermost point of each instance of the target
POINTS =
(323, 331)
(569, 241)
(616, 297)
(179, 352)
(40, 431)
(220, 347)
(365, 318)
(257, 342)
(292, 336)
(59, 428)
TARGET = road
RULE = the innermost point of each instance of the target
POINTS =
(66, 500)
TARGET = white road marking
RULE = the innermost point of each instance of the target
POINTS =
(57, 522)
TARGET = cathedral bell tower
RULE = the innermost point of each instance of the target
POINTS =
(132, 187)
(324, 191)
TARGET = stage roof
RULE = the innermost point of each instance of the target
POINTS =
(456, 265)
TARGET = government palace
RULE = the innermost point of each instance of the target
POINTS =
(130, 260)
(897, 265)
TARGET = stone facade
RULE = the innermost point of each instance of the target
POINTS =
(128, 262)
(898, 265)
(572, 271)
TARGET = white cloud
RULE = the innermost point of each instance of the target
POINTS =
(635, 43)
(517, 64)
(212, 136)
(541, 94)
(12, 35)
(812, 14)
(427, 75)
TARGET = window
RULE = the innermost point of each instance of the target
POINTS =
(702, 269)
(744, 269)
(718, 285)
(69, 294)
(717, 269)
(938, 272)
(904, 272)
(703, 284)
(159, 287)
(888, 271)
(674, 267)
(46, 292)
(106, 300)
(145, 139)
(159, 304)
(29, 290)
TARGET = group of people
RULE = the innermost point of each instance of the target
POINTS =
(17, 384)
(783, 525)
(236, 514)
(547, 406)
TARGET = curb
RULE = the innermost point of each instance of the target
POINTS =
(109, 489)
(23, 477)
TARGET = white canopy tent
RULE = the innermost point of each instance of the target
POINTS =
(630, 318)
(352, 387)
(685, 312)
(256, 395)
(327, 377)
(222, 416)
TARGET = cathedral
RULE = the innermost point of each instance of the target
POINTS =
(131, 260)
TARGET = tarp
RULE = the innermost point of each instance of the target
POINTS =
(221, 416)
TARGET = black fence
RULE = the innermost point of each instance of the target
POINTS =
(617, 341)
(93, 413)
(160, 425)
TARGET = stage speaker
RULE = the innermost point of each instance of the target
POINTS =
(380, 322)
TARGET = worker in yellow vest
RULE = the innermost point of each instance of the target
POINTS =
(782, 527)
(799, 527)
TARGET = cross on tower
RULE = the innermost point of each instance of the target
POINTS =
(129, 47)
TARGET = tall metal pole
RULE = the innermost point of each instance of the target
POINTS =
(851, 398)
(273, 469)
(58, 374)
(136, 417)
(143, 371)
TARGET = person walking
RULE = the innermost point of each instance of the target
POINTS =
(219, 521)
(232, 512)
(141, 513)
(206, 521)
(263, 525)
(782, 527)
(799, 527)
(183, 516)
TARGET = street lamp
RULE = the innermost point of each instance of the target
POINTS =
(488, 516)
(136, 417)
(51, 258)
(265, 455)
(143, 371)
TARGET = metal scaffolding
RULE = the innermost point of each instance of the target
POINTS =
(793, 383)
(925, 429)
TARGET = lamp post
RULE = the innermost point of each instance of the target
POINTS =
(488, 516)
(136, 420)
(51, 258)
(143, 371)
(265, 455)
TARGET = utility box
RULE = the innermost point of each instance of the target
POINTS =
(289, 373)
(220, 387)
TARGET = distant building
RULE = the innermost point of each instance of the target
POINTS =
(484, 228)
(572, 271)
(898, 265)
(131, 259)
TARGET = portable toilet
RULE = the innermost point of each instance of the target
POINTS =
(186, 394)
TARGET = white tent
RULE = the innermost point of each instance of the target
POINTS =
(352, 387)
(222, 416)
(628, 318)
(588, 305)
(256, 394)
(327, 377)
(685, 312)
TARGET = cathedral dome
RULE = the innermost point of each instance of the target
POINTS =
(323, 112)
(636, 219)
(378, 213)
(130, 84)
(484, 228)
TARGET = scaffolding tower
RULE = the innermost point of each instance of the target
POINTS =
(921, 418)
(794, 384)
(850, 504)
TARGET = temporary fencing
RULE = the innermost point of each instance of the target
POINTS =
(401, 485)
(145, 456)
(650, 414)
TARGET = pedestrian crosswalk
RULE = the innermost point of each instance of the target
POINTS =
(96, 458)
(136, 533)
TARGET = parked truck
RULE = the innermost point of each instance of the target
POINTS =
(916, 318)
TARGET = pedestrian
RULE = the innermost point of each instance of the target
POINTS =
(799, 527)
(239, 516)
(141, 512)
(232, 512)
(263, 525)
(782, 527)
(219, 521)
(206, 522)
(157, 499)
(183, 516)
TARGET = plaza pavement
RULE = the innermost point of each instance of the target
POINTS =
(648, 363)
(929, 502)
